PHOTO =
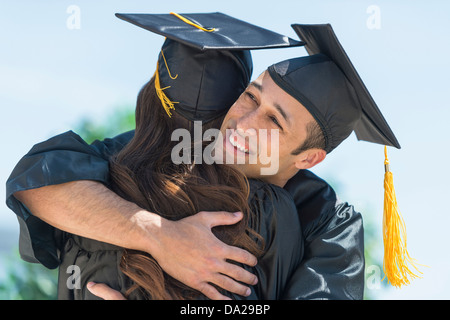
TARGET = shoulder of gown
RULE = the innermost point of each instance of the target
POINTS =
(62, 158)
(333, 264)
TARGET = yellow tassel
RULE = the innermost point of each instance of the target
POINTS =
(167, 67)
(185, 20)
(396, 256)
(165, 101)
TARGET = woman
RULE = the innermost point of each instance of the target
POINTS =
(144, 173)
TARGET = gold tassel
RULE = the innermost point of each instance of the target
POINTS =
(396, 256)
(165, 101)
(185, 20)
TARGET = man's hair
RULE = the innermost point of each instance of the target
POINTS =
(314, 139)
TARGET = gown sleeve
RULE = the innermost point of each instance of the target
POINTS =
(333, 264)
(84, 260)
(63, 158)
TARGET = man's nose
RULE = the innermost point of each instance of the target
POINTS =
(248, 122)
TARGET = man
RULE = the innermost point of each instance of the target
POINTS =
(334, 263)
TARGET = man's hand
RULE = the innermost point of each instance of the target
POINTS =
(192, 254)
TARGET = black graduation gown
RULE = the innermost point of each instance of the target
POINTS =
(276, 221)
(333, 262)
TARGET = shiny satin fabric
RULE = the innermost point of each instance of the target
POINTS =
(61, 159)
(333, 263)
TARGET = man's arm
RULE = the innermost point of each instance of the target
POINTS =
(62, 158)
(186, 249)
(66, 207)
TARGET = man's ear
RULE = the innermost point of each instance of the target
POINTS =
(309, 158)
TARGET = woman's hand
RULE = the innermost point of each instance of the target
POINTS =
(101, 290)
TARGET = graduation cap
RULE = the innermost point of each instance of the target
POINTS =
(327, 84)
(205, 62)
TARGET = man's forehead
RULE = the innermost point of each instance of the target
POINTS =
(257, 83)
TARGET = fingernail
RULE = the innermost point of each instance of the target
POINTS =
(237, 214)
(248, 292)
(90, 284)
(255, 281)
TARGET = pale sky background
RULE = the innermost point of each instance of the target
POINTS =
(51, 76)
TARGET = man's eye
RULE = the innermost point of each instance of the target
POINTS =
(274, 120)
(251, 96)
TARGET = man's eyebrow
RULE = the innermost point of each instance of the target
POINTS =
(256, 85)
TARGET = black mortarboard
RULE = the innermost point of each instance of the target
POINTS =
(204, 64)
(328, 85)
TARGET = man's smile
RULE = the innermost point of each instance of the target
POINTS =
(241, 143)
(242, 146)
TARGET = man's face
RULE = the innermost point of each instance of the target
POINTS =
(264, 105)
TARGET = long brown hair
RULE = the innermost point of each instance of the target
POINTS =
(144, 173)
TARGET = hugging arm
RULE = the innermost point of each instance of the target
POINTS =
(62, 184)
(59, 160)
